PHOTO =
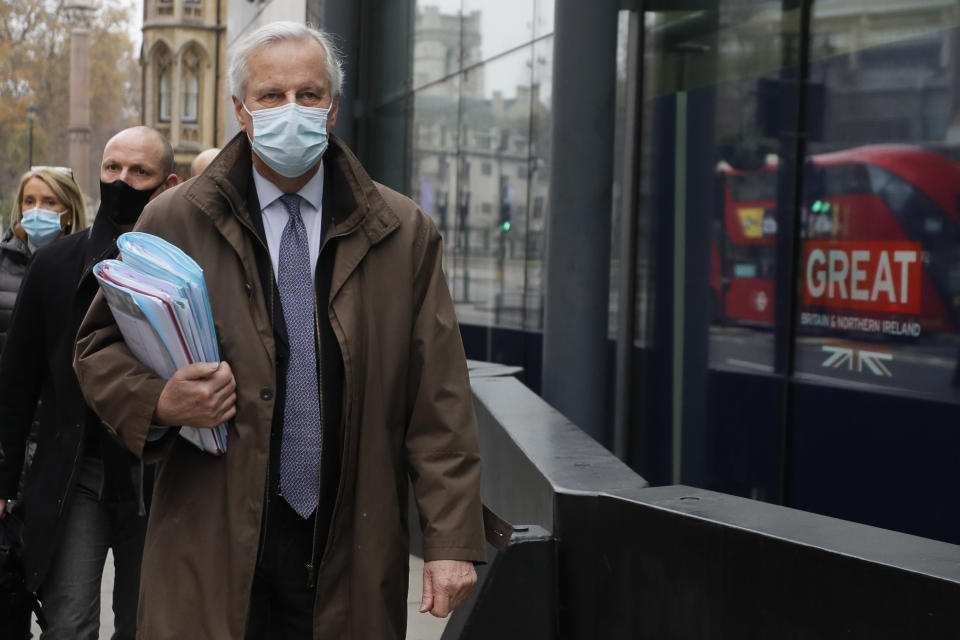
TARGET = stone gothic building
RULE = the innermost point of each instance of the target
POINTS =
(184, 74)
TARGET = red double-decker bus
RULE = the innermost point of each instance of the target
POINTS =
(880, 231)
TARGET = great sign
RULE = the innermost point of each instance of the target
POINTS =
(876, 276)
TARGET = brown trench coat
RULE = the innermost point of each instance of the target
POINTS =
(407, 409)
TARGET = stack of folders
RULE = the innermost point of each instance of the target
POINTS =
(159, 299)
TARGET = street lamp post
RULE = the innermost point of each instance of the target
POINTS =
(464, 234)
(31, 116)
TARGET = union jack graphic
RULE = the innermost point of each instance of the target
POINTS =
(856, 358)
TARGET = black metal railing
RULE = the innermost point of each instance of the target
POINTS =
(599, 554)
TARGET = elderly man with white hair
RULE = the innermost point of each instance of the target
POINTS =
(343, 375)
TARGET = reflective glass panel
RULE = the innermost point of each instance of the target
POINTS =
(879, 298)
(494, 195)
(715, 120)
(753, 131)
(434, 162)
(436, 40)
(543, 18)
(539, 183)
(621, 182)
(492, 27)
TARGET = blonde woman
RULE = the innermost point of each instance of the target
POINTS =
(48, 205)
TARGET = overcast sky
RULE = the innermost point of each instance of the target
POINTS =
(504, 25)
(136, 25)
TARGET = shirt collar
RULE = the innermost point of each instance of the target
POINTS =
(267, 192)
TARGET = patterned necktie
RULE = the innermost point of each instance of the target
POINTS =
(300, 446)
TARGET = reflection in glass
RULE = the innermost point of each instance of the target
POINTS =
(703, 409)
(879, 293)
(543, 20)
(718, 64)
(498, 25)
(436, 40)
(494, 195)
(434, 161)
(539, 182)
(620, 182)
(476, 117)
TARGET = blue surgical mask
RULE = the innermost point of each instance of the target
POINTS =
(42, 225)
(290, 139)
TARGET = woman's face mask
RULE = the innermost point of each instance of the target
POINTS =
(41, 225)
(42, 212)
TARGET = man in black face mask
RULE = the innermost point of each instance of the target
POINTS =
(137, 165)
(84, 493)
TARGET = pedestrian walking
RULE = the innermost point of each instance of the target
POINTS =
(343, 375)
(47, 206)
(84, 493)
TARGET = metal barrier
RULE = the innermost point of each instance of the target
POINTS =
(515, 595)
(605, 556)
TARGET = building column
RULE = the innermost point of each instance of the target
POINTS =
(176, 100)
(149, 105)
(79, 15)
(576, 310)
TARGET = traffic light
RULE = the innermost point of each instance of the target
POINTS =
(820, 206)
(506, 206)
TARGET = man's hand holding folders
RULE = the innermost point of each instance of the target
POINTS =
(202, 395)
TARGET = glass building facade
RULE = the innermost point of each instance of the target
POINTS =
(459, 119)
(781, 230)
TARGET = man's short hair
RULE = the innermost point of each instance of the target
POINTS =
(239, 72)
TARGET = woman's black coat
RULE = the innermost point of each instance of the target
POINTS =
(37, 364)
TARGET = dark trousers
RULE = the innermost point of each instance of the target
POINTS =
(70, 594)
(281, 601)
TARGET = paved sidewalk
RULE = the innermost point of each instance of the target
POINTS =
(420, 626)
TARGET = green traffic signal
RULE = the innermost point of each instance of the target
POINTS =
(505, 226)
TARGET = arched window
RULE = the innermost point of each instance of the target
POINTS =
(164, 86)
(190, 88)
(192, 9)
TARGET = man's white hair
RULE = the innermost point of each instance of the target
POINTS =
(242, 49)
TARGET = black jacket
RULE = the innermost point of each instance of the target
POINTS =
(38, 364)
(14, 256)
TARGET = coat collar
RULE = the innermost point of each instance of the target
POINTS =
(352, 196)
(14, 245)
(101, 243)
